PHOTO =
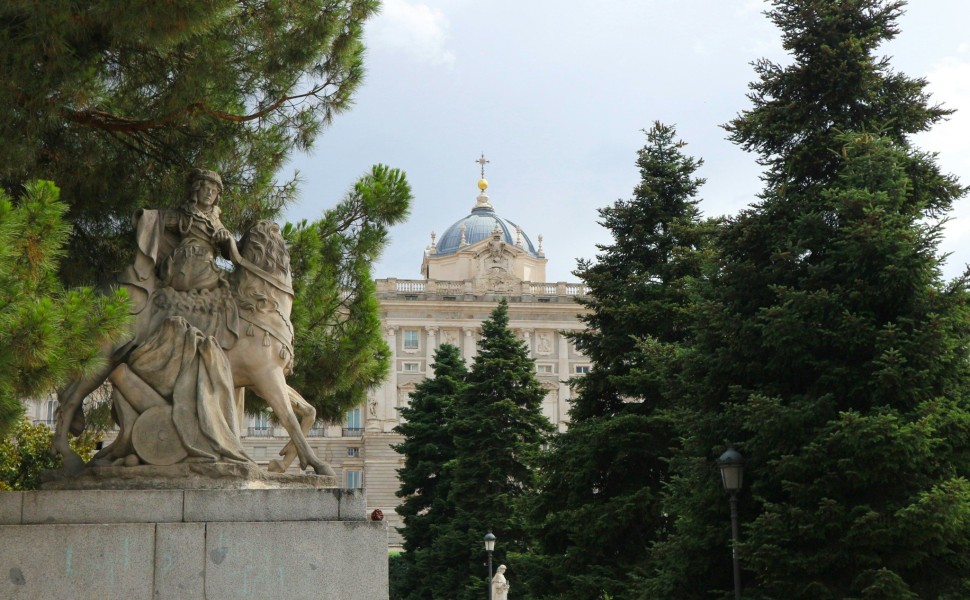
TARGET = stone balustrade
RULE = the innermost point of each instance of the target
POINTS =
(431, 289)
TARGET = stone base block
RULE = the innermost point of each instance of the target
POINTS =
(265, 544)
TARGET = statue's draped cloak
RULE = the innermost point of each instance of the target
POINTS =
(186, 316)
(189, 370)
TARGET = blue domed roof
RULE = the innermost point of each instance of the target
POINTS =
(479, 226)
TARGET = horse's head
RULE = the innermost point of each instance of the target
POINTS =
(264, 246)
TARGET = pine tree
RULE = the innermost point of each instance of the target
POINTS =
(497, 430)
(599, 510)
(48, 335)
(427, 448)
(340, 349)
(115, 105)
(828, 349)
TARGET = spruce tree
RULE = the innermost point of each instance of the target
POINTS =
(599, 510)
(497, 431)
(427, 448)
(828, 349)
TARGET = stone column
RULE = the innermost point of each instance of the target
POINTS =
(390, 385)
(430, 347)
(468, 347)
(527, 338)
(564, 372)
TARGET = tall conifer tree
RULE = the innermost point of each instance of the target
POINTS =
(828, 348)
(599, 510)
(427, 448)
(497, 430)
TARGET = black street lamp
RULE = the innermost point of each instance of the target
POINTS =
(731, 464)
(489, 547)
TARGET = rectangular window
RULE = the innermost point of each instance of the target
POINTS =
(319, 429)
(411, 339)
(352, 426)
(261, 427)
(352, 479)
(353, 452)
(411, 367)
(544, 369)
(582, 369)
(51, 419)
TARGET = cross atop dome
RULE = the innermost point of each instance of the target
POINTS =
(482, 183)
(483, 161)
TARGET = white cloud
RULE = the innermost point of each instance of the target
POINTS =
(415, 29)
(751, 6)
(949, 84)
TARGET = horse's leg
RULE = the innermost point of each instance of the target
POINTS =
(70, 399)
(308, 416)
(274, 390)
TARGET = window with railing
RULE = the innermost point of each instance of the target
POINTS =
(261, 427)
(411, 341)
(51, 414)
(318, 430)
(352, 424)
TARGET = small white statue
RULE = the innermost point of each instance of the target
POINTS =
(500, 585)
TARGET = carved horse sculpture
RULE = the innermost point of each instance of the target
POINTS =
(260, 359)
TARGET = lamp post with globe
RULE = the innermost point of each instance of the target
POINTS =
(489, 547)
(731, 464)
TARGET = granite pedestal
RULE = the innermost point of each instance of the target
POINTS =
(191, 544)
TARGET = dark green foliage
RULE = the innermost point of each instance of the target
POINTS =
(835, 84)
(497, 431)
(427, 447)
(115, 101)
(340, 350)
(847, 396)
(827, 347)
(48, 335)
(117, 105)
(397, 570)
(599, 510)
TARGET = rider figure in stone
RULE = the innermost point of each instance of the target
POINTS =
(192, 264)
(175, 272)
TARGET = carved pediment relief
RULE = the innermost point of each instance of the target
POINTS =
(498, 282)
(495, 256)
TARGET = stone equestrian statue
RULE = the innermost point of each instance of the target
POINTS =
(201, 335)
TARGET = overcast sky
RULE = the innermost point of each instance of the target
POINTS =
(556, 93)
